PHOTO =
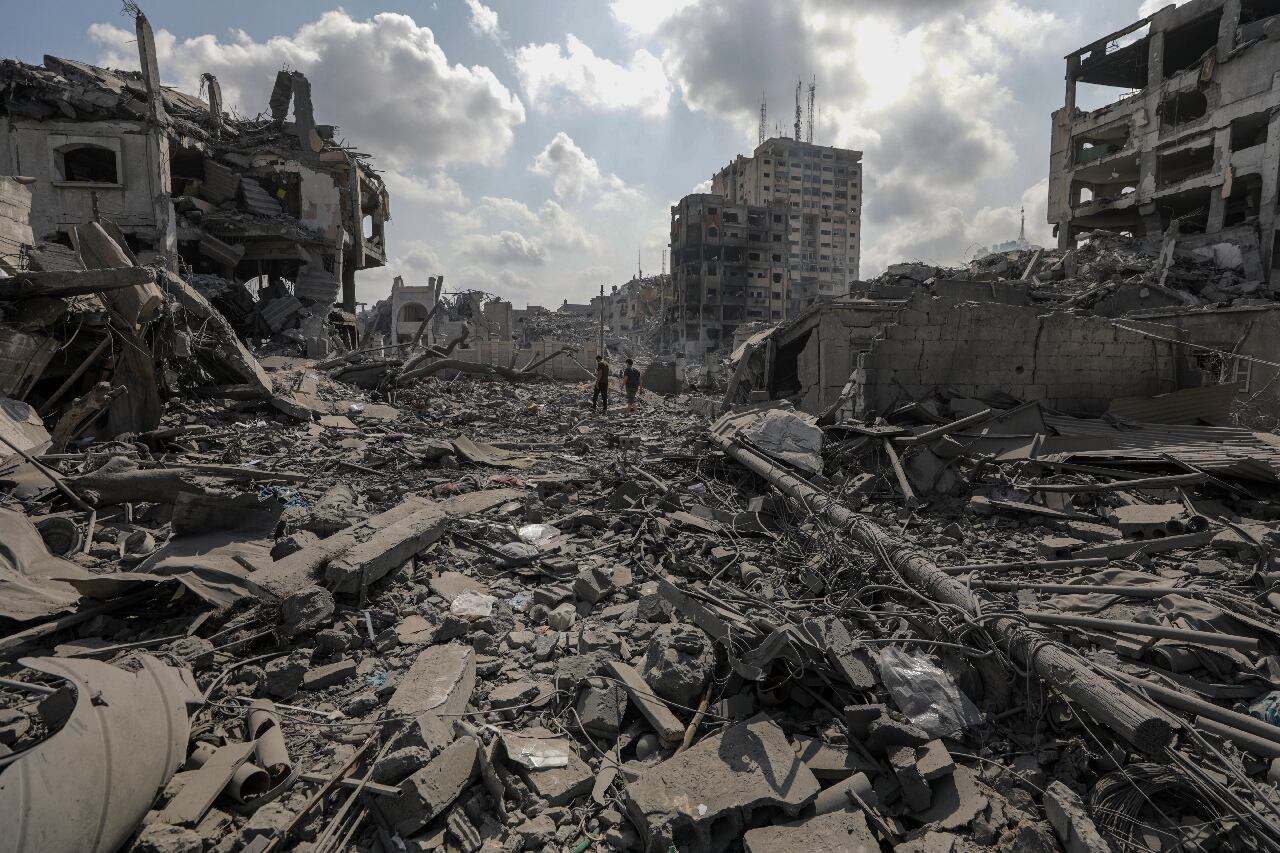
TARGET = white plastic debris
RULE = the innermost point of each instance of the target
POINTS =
(538, 534)
(926, 693)
(472, 605)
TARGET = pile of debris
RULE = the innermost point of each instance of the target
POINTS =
(485, 620)
(1109, 274)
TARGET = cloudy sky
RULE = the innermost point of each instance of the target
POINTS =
(533, 147)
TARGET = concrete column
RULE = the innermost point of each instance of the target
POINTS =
(1222, 161)
(348, 284)
(1227, 28)
(150, 66)
(1155, 55)
(1267, 218)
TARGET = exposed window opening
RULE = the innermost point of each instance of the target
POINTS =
(1184, 46)
(413, 312)
(1190, 206)
(1252, 11)
(1183, 107)
(1245, 200)
(88, 164)
(1100, 143)
(713, 231)
(1180, 165)
(1249, 131)
(730, 216)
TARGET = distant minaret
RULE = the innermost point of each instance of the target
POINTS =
(1022, 231)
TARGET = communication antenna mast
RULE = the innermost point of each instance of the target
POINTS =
(639, 270)
(813, 85)
(764, 116)
(797, 129)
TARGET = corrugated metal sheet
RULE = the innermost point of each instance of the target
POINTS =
(1229, 451)
(316, 284)
(1212, 404)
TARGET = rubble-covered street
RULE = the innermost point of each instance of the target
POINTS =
(979, 556)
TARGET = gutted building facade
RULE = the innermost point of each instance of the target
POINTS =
(821, 187)
(273, 199)
(729, 266)
(1194, 136)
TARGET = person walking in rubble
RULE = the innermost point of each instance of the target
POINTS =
(601, 390)
(631, 384)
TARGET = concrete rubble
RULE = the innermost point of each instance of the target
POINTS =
(958, 564)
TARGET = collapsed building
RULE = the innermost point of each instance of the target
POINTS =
(1193, 144)
(270, 200)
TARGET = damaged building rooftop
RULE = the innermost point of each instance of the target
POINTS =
(613, 499)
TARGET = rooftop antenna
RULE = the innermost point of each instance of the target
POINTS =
(813, 86)
(1022, 230)
(764, 116)
(639, 271)
(798, 85)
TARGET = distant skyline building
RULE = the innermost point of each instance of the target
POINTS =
(821, 186)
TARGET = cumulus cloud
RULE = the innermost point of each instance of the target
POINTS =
(553, 76)
(484, 21)
(385, 81)
(575, 176)
(505, 283)
(934, 120)
(504, 248)
(551, 225)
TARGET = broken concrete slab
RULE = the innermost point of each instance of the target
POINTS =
(549, 765)
(956, 800)
(700, 799)
(837, 832)
(431, 790)
(439, 682)
(1071, 821)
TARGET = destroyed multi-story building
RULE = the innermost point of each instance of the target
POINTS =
(1193, 138)
(266, 199)
(822, 188)
(729, 265)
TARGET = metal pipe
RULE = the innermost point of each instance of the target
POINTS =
(1026, 565)
(1142, 629)
(1142, 725)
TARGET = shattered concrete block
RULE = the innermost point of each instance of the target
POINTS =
(601, 707)
(934, 761)
(440, 682)
(916, 792)
(563, 617)
(394, 767)
(678, 663)
(698, 800)
(855, 792)
(320, 677)
(593, 584)
(513, 694)
(956, 801)
(163, 838)
(1075, 828)
(597, 638)
(829, 833)
(860, 717)
(830, 762)
(283, 676)
(431, 790)
(306, 610)
(886, 732)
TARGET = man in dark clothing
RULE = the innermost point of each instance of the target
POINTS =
(631, 384)
(601, 391)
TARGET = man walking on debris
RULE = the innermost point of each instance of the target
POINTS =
(631, 384)
(601, 390)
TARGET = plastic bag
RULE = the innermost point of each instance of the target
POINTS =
(538, 534)
(925, 692)
(472, 605)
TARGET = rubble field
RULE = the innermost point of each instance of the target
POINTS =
(471, 614)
